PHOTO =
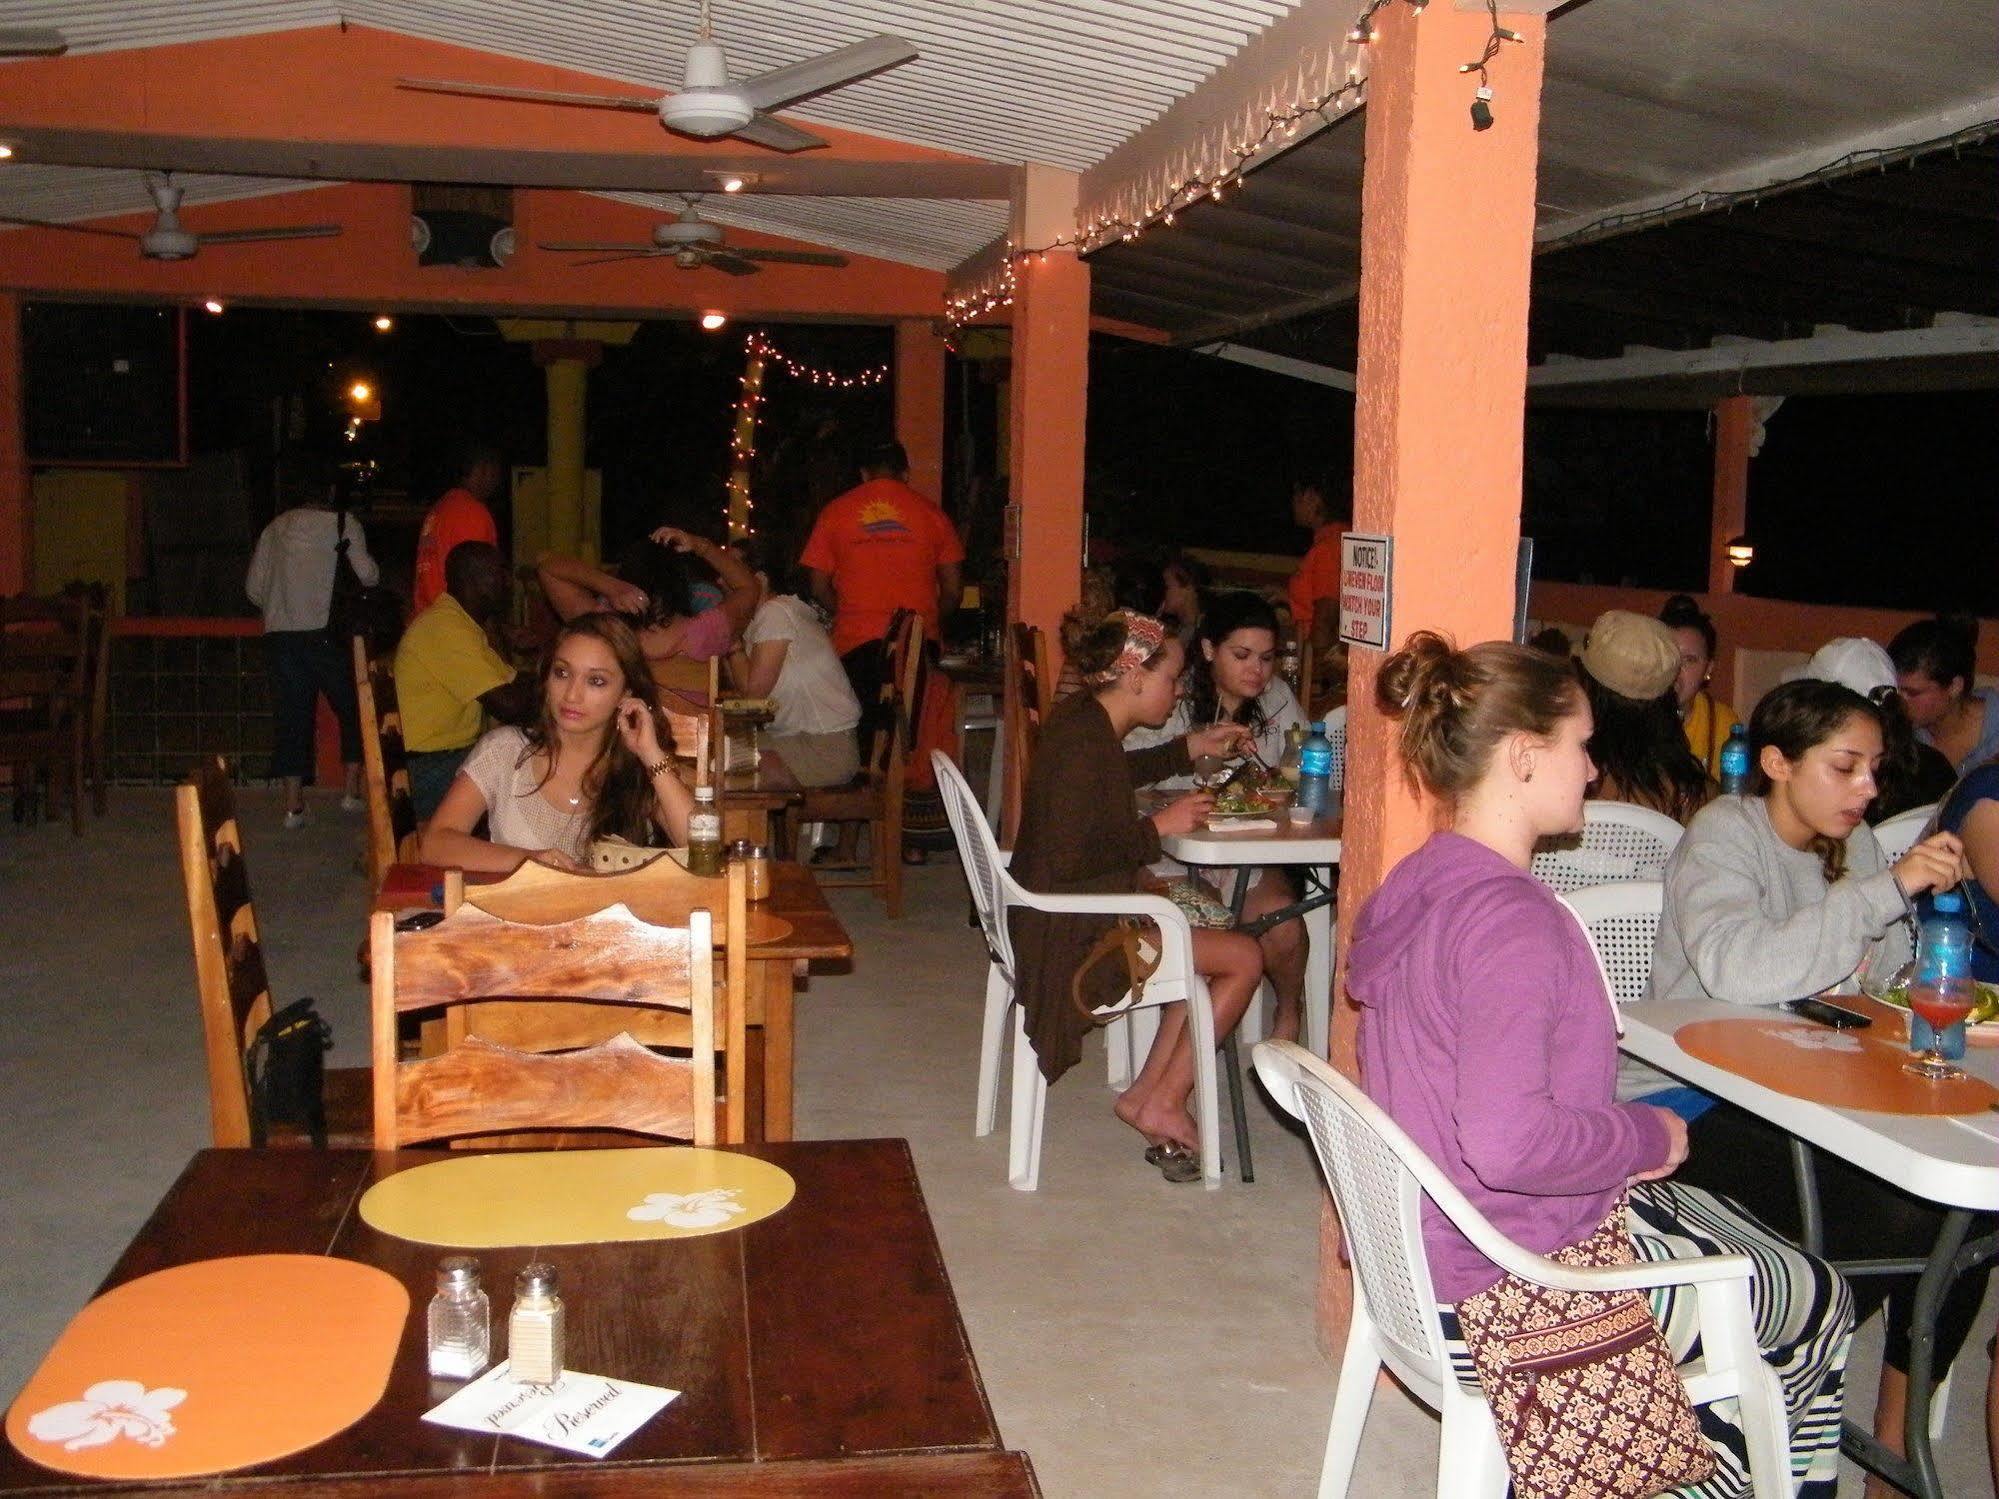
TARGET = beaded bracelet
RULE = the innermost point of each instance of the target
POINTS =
(653, 770)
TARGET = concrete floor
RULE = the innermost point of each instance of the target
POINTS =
(1136, 1338)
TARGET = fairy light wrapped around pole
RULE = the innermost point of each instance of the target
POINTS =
(743, 444)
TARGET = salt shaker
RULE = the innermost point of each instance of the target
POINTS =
(759, 876)
(534, 1328)
(461, 1327)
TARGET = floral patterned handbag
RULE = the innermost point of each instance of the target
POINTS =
(1583, 1388)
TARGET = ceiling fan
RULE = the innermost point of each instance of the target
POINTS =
(708, 106)
(691, 242)
(167, 240)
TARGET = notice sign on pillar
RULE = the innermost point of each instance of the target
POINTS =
(1365, 564)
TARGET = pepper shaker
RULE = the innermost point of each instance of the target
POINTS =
(535, 1326)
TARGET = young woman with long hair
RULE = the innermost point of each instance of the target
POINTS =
(1081, 832)
(1232, 678)
(591, 765)
(1487, 1033)
(1628, 665)
(1780, 894)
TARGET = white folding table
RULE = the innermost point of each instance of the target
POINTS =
(1951, 1160)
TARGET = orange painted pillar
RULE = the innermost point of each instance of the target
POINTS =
(17, 506)
(919, 403)
(1049, 391)
(1734, 427)
(1447, 215)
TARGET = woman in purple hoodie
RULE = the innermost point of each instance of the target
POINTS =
(1487, 1033)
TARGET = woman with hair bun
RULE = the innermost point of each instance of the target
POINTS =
(1486, 1032)
(1081, 833)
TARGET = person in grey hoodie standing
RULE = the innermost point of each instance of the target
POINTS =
(1780, 894)
(1486, 1032)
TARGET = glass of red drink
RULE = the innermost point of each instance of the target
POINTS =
(1942, 1006)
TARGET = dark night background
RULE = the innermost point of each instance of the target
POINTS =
(1881, 500)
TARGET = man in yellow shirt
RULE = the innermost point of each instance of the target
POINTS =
(448, 676)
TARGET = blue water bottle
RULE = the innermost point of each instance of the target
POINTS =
(1943, 961)
(1315, 770)
(1735, 762)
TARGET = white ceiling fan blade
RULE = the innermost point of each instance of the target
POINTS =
(32, 41)
(528, 95)
(253, 236)
(594, 246)
(801, 80)
(791, 257)
(769, 130)
(68, 228)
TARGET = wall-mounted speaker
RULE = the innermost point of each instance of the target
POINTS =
(455, 224)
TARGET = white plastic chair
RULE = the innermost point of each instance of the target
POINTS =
(1336, 735)
(1899, 833)
(1620, 843)
(994, 893)
(1379, 1179)
(1622, 922)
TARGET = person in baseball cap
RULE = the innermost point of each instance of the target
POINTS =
(1628, 664)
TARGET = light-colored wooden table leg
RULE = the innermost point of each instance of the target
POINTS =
(777, 1050)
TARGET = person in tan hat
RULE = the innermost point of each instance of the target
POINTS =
(1628, 664)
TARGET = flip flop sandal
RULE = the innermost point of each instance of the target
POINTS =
(1154, 1154)
(1179, 1165)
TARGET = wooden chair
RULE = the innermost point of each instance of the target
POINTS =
(393, 832)
(479, 1088)
(97, 647)
(1032, 688)
(875, 796)
(662, 893)
(229, 970)
(45, 669)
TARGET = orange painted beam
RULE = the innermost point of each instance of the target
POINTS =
(337, 83)
(1447, 218)
(919, 402)
(17, 505)
(1734, 428)
(371, 265)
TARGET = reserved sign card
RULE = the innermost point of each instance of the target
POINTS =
(584, 1413)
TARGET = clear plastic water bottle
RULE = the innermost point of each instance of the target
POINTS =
(1943, 967)
(1735, 762)
(461, 1320)
(1315, 769)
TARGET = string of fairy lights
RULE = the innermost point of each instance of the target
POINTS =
(759, 356)
(1143, 206)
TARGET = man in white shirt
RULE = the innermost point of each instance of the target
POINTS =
(291, 580)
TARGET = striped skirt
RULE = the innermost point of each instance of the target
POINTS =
(1803, 1316)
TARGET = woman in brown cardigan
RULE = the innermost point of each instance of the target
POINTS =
(1080, 832)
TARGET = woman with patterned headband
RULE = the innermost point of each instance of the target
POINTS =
(1080, 832)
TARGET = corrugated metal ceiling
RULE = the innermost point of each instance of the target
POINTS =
(1056, 81)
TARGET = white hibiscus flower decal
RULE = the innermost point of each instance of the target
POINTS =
(689, 1210)
(109, 1409)
(1817, 1038)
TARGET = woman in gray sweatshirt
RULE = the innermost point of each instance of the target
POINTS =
(1777, 895)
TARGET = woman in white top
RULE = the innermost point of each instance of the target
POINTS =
(1233, 679)
(787, 656)
(590, 767)
(291, 581)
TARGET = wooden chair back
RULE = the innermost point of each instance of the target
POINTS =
(1030, 690)
(661, 893)
(228, 955)
(393, 833)
(45, 665)
(476, 1087)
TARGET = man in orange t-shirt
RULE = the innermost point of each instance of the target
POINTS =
(881, 547)
(460, 515)
(1315, 588)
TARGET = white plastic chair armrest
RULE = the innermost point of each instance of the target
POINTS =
(1643, 1277)
(1176, 936)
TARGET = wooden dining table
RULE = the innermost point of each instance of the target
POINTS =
(805, 931)
(817, 1351)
